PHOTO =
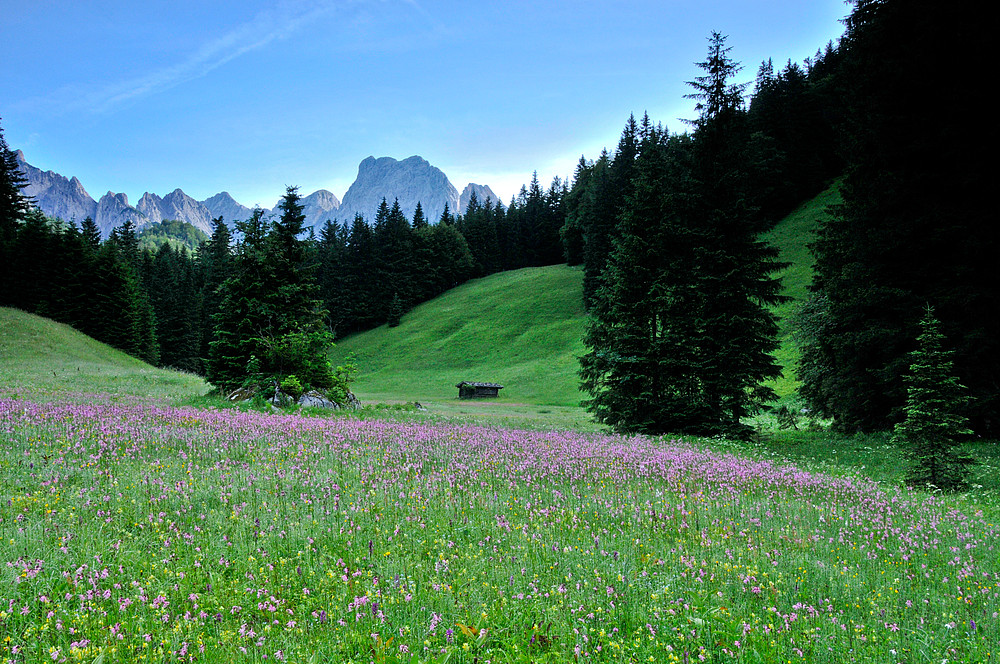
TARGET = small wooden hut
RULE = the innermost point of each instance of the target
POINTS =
(472, 390)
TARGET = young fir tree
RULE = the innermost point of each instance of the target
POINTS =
(396, 311)
(271, 323)
(244, 314)
(214, 260)
(935, 419)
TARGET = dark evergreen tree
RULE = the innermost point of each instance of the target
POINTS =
(125, 315)
(935, 421)
(419, 220)
(450, 259)
(681, 337)
(14, 205)
(294, 299)
(29, 261)
(90, 234)
(176, 303)
(478, 227)
(601, 206)
(215, 265)
(245, 315)
(395, 312)
(358, 281)
(571, 233)
(395, 273)
(447, 219)
(72, 276)
(332, 276)
(916, 225)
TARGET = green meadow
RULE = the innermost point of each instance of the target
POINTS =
(143, 518)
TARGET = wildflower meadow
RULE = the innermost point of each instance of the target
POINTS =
(131, 532)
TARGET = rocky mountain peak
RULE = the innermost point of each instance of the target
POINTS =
(411, 180)
(483, 193)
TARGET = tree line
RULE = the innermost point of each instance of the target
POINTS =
(167, 305)
(679, 285)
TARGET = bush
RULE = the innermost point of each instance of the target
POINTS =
(292, 387)
(303, 354)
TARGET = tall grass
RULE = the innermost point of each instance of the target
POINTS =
(139, 533)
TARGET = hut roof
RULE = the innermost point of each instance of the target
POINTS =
(469, 383)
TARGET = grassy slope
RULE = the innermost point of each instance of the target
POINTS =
(523, 329)
(41, 358)
(792, 236)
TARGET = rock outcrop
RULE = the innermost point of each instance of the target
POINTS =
(113, 210)
(319, 206)
(409, 181)
(225, 206)
(175, 205)
(483, 193)
(55, 195)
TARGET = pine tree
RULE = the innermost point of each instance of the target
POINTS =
(294, 297)
(935, 419)
(331, 275)
(396, 311)
(395, 274)
(571, 233)
(917, 221)
(215, 262)
(681, 336)
(245, 315)
(361, 261)
(14, 205)
(419, 220)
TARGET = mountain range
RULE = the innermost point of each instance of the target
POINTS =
(409, 181)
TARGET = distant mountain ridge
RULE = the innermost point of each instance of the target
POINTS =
(409, 181)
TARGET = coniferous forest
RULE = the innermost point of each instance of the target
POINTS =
(667, 227)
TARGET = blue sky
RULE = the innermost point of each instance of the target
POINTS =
(249, 96)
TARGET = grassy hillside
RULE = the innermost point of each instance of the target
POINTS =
(41, 358)
(792, 236)
(522, 329)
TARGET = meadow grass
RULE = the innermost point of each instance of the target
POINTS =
(522, 329)
(131, 532)
(45, 360)
(136, 527)
(791, 237)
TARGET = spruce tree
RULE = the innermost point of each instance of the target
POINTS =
(214, 260)
(271, 323)
(419, 220)
(14, 205)
(331, 275)
(935, 419)
(917, 221)
(571, 233)
(681, 336)
(359, 282)
(244, 315)
(294, 297)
